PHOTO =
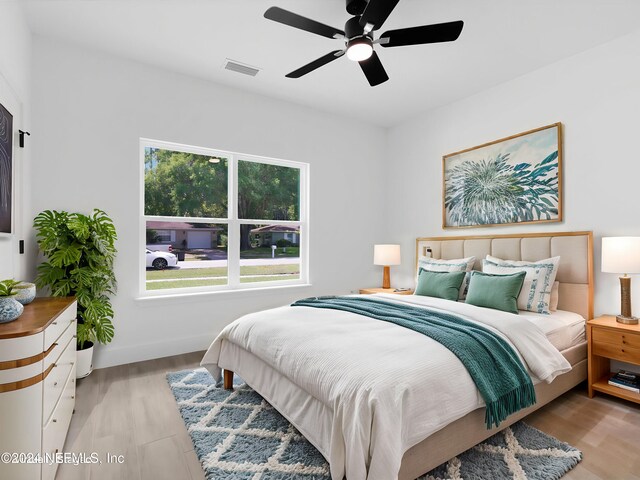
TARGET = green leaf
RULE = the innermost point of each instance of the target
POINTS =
(66, 255)
(48, 275)
(63, 287)
(79, 226)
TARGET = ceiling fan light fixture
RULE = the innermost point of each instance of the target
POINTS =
(359, 49)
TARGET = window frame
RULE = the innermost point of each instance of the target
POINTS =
(232, 221)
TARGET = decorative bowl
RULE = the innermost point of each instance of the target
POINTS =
(10, 309)
(26, 292)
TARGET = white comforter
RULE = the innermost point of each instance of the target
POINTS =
(386, 387)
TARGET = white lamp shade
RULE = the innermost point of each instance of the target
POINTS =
(621, 254)
(386, 254)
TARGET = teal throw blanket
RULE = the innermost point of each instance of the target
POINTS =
(495, 368)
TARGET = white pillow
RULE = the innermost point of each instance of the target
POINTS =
(453, 265)
(535, 295)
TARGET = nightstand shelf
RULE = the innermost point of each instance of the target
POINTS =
(609, 340)
(604, 387)
(370, 291)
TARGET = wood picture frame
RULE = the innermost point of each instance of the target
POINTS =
(512, 181)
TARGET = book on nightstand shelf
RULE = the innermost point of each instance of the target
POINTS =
(627, 380)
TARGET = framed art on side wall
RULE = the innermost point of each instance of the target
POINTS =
(6, 170)
(513, 180)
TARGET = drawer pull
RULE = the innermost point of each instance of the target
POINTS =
(55, 384)
(73, 397)
(54, 420)
(54, 323)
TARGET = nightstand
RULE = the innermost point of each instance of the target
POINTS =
(610, 340)
(369, 291)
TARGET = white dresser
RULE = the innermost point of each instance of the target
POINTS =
(37, 387)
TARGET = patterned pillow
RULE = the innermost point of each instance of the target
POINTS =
(535, 295)
(453, 265)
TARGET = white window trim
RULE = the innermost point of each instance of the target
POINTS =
(233, 223)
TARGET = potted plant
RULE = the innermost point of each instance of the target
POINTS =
(80, 251)
(10, 308)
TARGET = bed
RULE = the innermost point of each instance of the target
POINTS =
(311, 393)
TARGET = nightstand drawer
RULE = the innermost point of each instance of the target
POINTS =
(623, 353)
(616, 337)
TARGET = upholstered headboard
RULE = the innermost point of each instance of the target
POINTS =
(575, 272)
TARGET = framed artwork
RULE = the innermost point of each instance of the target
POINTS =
(6, 170)
(513, 180)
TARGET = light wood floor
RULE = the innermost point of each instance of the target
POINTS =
(129, 410)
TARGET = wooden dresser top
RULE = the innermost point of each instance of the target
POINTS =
(36, 317)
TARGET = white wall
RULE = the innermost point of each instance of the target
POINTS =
(90, 110)
(595, 94)
(15, 95)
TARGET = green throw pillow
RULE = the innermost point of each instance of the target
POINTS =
(439, 284)
(499, 292)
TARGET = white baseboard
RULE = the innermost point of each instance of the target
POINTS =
(106, 356)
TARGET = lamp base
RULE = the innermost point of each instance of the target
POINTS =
(627, 320)
(386, 277)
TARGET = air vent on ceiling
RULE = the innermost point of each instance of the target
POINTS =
(235, 66)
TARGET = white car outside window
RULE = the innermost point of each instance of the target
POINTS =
(160, 260)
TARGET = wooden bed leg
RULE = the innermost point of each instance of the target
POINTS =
(228, 380)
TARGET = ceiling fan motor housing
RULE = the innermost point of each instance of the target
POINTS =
(353, 29)
(356, 7)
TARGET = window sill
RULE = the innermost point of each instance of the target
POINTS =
(149, 300)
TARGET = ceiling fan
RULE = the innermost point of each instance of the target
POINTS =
(367, 16)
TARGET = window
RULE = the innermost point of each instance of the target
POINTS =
(217, 220)
(164, 236)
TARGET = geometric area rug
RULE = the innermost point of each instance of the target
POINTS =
(237, 435)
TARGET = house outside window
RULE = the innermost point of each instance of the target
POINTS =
(233, 221)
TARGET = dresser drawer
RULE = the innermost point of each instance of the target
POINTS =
(55, 382)
(59, 325)
(616, 337)
(57, 347)
(54, 432)
(18, 350)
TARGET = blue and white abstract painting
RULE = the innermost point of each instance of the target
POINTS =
(514, 180)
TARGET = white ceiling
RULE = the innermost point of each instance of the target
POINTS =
(501, 40)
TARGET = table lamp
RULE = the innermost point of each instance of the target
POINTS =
(622, 255)
(386, 255)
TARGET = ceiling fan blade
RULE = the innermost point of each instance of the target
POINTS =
(440, 32)
(310, 67)
(377, 12)
(297, 21)
(373, 70)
